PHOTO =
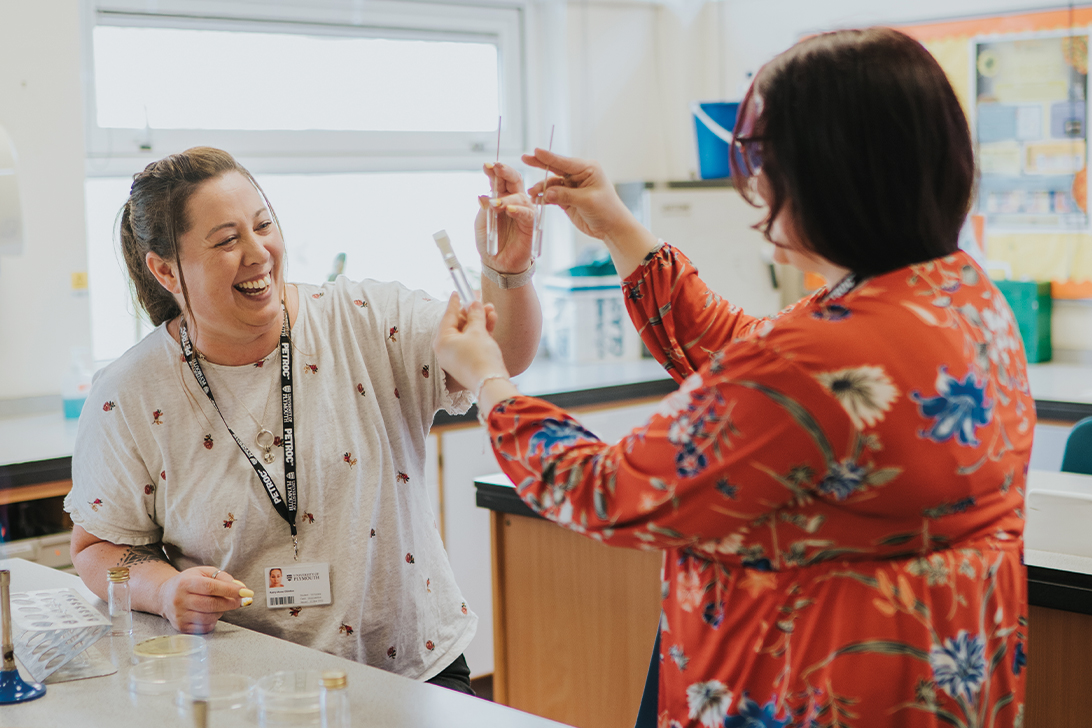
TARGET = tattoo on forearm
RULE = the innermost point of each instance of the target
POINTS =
(134, 555)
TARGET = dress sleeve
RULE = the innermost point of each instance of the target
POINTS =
(680, 320)
(739, 440)
(113, 493)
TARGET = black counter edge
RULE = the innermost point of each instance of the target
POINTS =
(582, 398)
(40, 471)
(1063, 411)
(1062, 590)
(502, 499)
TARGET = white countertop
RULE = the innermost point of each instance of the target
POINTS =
(1056, 533)
(1059, 382)
(377, 698)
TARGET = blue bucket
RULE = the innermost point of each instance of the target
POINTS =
(713, 124)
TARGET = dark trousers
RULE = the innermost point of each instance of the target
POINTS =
(455, 676)
(650, 698)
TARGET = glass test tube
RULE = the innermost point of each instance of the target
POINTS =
(492, 232)
(462, 285)
(121, 608)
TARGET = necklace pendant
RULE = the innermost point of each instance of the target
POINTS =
(268, 457)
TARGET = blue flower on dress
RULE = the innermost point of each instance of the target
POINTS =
(689, 461)
(713, 614)
(961, 407)
(558, 434)
(726, 489)
(1019, 659)
(959, 665)
(843, 479)
(751, 715)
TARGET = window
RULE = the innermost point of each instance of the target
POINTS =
(365, 123)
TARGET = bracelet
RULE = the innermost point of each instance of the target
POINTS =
(507, 281)
(478, 392)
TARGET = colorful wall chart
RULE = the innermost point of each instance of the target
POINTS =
(1023, 81)
(1030, 103)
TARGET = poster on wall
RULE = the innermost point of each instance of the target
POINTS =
(1031, 109)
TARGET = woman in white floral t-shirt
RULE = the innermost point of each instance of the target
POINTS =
(169, 479)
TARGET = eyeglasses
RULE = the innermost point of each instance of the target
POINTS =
(747, 154)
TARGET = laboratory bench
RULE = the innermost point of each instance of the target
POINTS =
(376, 697)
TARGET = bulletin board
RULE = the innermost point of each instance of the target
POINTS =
(1023, 81)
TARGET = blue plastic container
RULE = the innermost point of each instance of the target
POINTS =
(713, 124)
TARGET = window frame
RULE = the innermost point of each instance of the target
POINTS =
(115, 152)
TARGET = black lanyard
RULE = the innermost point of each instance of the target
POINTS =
(286, 511)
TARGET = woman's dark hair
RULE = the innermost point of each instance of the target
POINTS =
(154, 218)
(864, 138)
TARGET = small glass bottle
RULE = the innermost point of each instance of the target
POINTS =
(121, 609)
(335, 700)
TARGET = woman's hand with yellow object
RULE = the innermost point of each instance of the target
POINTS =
(193, 602)
(515, 220)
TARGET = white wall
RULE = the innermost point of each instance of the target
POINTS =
(635, 66)
(41, 107)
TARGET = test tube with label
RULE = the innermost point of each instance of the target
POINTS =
(462, 285)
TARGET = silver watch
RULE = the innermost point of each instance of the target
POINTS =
(508, 280)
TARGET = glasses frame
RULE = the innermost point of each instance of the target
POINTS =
(749, 149)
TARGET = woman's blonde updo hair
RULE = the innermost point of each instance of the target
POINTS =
(154, 218)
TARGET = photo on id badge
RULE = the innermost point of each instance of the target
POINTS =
(297, 585)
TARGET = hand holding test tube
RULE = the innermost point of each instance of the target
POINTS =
(462, 285)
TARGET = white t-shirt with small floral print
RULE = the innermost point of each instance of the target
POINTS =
(153, 462)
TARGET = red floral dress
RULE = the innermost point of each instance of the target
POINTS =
(838, 492)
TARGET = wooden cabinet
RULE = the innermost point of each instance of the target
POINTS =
(1059, 669)
(574, 623)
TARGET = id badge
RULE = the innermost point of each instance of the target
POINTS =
(297, 585)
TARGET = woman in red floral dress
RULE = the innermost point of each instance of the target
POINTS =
(839, 489)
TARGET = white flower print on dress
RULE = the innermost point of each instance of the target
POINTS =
(689, 590)
(865, 393)
(678, 400)
(997, 327)
(709, 702)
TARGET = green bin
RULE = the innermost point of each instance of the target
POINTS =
(1031, 305)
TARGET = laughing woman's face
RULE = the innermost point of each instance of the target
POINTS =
(232, 257)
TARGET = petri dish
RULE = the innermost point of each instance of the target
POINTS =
(163, 665)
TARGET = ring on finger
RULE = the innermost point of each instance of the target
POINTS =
(216, 573)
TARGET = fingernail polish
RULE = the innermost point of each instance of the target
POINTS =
(236, 581)
(495, 202)
(246, 593)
